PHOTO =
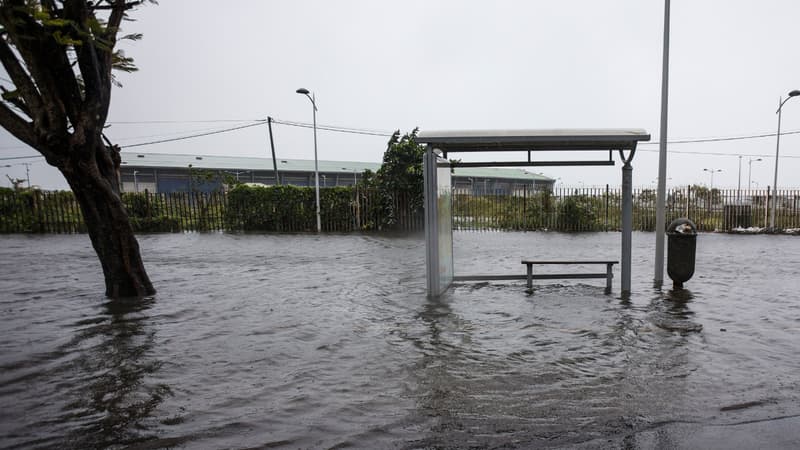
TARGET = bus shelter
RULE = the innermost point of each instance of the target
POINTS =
(531, 145)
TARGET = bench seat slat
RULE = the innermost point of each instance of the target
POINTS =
(533, 261)
(488, 277)
(536, 276)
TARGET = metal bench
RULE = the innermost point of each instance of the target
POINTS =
(608, 275)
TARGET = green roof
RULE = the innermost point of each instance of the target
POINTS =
(496, 172)
(171, 160)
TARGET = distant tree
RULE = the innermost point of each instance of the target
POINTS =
(647, 196)
(699, 190)
(59, 55)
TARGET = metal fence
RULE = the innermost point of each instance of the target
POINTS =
(563, 209)
(357, 210)
(599, 209)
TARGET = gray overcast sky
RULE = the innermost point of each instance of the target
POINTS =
(385, 65)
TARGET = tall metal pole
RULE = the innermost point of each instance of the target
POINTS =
(316, 165)
(272, 146)
(750, 171)
(739, 188)
(313, 99)
(781, 102)
(712, 176)
(658, 278)
(775, 180)
(28, 173)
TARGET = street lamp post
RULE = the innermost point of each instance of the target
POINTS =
(311, 97)
(750, 170)
(237, 173)
(712, 176)
(355, 174)
(135, 181)
(781, 102)
(739, 186)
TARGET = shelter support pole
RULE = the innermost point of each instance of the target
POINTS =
(627, 223)
(431, 223)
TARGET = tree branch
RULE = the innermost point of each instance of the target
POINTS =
(22, 81)
(91, 61)
(112, 5)
(46, 62)
(19, 103)
(19, 127)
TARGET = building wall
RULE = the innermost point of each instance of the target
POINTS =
(168, 180)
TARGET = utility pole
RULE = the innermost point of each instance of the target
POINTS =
(272, 146)
(28, 173)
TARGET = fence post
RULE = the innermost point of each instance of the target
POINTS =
(37, 212)
(606, 221)
(148, 203)
(688, 197)
(766, 208)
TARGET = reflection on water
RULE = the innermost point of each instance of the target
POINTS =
(113, 399)
(303, 341)
(91, 390)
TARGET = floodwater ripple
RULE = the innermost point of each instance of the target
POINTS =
(306, 341)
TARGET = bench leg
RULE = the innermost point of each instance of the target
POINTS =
(530, 276)
(609, 277)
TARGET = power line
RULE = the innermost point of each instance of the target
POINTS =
(119, 140)
(333, 128)
(720, 154)
(9, 158)
(721, 139)
(338, 129)
(144, 122)
(195, 135)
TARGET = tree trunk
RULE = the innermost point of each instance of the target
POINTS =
(96, 187)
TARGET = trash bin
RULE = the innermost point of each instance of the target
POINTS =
(681, 250)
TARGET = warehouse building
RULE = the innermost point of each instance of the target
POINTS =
(161, 172)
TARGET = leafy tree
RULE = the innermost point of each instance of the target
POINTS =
(59, 55)
(402, 164)
(401, 174)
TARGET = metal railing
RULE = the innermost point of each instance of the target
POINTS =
(562, 209)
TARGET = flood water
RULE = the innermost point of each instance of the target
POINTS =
(303, 341)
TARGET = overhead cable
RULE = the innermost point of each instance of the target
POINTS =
(161, 141)
(333, 128)
(721, 139)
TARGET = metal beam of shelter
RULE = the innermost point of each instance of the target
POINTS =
(438, 219)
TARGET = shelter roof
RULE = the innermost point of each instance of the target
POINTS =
(533, 139)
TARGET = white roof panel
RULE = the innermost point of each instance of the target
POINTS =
(535, 139)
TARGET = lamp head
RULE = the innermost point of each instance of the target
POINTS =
(306, 92)
(794, 93)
